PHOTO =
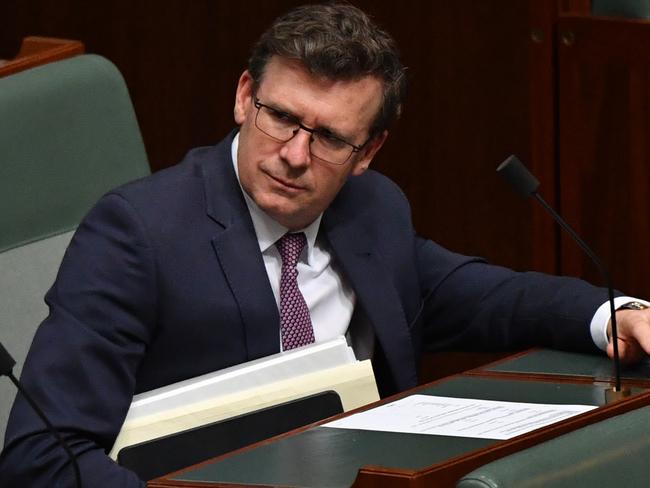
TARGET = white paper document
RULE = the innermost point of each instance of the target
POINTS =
(459, 417)
(246, 387)
(253, 374)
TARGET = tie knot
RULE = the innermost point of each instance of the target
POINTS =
(290, 247)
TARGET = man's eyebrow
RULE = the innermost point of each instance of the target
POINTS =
(328, 131)
(322, 129)
(281, 110)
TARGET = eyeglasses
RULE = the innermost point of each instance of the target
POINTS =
(283, 127)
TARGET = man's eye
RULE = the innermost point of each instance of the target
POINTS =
(330, 140)
(281, 116)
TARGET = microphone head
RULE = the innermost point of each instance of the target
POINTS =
(6, 361)
(518, 176)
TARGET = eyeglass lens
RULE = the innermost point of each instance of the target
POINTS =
(283, 127)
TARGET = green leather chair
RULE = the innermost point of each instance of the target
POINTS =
(68, 134)
(631, 9)
(611, 453)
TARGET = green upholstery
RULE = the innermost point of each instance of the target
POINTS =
(631, 9)
(611, 453)
(27, 273)
(68, 134)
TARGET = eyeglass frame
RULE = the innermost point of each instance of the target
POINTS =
(355, 148)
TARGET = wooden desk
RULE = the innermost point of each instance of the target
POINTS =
(36, 50)
(552, 365)
(317, 456)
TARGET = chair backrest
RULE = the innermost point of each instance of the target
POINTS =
(68, 134)
(613, 452)
(26, 273)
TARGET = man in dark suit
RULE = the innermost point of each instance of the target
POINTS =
(181, 273)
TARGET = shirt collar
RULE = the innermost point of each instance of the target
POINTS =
(267, 229)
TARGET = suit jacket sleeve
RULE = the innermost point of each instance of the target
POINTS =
(474, 305)
(82, 365)
(410, 286)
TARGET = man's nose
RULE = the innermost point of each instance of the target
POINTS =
(296, 151)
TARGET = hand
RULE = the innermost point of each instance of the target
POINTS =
(633, 327)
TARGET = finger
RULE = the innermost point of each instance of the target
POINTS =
(637, 331)
(628, 352)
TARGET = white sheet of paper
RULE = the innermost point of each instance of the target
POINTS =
(459, 417)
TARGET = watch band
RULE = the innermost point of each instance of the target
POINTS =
(633, 306)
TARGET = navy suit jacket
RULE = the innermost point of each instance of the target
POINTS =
(164, 281)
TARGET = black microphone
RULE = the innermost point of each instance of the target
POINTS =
(518, 176)
(6, 365)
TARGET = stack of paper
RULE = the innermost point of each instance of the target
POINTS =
(247, 387)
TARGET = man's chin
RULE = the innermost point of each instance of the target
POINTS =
(290, 221)
(291, 217)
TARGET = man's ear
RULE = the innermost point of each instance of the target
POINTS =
(243, 97)
(368, 153)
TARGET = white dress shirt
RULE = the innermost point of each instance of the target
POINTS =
(601, 319)
(329, 297)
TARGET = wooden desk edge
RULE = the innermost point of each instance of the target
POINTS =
(484, 371)
(447, 473)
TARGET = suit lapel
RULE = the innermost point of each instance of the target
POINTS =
(375, 290)
(239, 255)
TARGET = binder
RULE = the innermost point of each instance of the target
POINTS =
(245, 388)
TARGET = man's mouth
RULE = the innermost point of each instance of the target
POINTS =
(286, 184)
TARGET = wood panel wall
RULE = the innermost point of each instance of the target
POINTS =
(485, 82)
(469, 104)
(604, 147)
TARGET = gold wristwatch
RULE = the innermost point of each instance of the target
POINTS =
(633, 306)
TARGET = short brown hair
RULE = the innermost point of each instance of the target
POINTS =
(340, 42)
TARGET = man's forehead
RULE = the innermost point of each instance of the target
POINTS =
(290, 86)
(279, 64)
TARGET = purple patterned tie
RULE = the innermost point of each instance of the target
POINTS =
(295, 322)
